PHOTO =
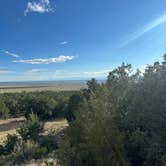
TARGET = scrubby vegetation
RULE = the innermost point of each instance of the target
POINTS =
(120, 122)
(29, 140)
(47, 105)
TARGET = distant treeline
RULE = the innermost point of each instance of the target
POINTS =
(47, 104)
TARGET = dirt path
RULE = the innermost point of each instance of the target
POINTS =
(9, 126)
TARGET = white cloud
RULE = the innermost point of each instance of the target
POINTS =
(10, 53)
(64, 42)
(59, 59)
(145, 29)
(43, 6)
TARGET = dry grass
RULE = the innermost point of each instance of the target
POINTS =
(3, 135)
(55, 126)
(8, 126)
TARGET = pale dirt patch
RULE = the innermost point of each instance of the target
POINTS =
(6, 121)
(3, 135)
(55, 126)
(10, 126)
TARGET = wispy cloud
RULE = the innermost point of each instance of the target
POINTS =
(34, 71)
(10, 53)
(62, 74)
(100, 73)
(144, 29)
(59, 59)
(42, 6)
(64, 42)
(5, 72)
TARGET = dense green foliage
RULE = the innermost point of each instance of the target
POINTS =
(47, 105)
(130, 107)
(4, 111)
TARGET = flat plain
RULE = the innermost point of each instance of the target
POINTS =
(13, 87)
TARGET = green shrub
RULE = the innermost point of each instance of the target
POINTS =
(40, 152)
(30, 129)
(2, 150)
(10, 143)
(4, 111)
(49, 142)
(24, 150)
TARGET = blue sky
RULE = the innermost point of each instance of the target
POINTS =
(78, 39)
